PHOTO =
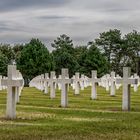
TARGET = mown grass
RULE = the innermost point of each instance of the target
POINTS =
(40, 118)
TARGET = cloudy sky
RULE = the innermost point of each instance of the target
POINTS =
(82, 20)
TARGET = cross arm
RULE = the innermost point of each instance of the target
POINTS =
(118, 80)
(13, 83)
(68, 81)
(132, 81)
(96, 80)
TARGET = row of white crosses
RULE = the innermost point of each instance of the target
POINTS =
(1, 86)
(136, 85)
(79, 83)
(51, 82)
(76, 81)
(126, 81)
(109, 83)
(14, 84)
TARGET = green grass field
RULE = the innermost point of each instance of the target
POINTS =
(40, 118)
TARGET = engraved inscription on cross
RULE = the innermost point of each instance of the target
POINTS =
(94, 80)
(126, 82)
(65, 81)
(12, 83)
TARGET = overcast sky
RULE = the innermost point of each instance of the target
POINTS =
(82, 20)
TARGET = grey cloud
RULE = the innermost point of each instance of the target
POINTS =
(82, 20)
(7, 5)
(55, 17)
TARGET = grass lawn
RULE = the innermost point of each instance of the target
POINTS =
(40, 118)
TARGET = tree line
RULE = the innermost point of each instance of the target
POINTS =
(111, 51)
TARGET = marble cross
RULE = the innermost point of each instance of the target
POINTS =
(136, 85)
(94, 80)
(59, 84)
(11, 84)
(77, 83)
(116, 84)
(46, 84)
(65, 81)
(42, 82)
(17, 88)
(107, 82)
(82, 80)
(0, 82)
(112, 89)
(126, 82)
(52, 82)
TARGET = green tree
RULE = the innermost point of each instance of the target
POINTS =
(64, 59)
(93, 59)
(7, 51)
(3, 64)
(64, 55)
(34, 59)
(78, 50)
(63, 43)
(110, 43)
(17, 50)
(131, 50)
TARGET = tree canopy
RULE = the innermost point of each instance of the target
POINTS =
(34, 59)
(111, 51)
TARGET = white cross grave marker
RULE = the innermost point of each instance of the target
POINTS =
(77, 83)
(116, 84)
(65, 81)
(52, 82)
(112, 90)
(0, 82)
(46, 80)
(136, 85)
(11, 84)
(107, 82)
(126, 81)
(17, 88)
(82, 79)
(94, 80)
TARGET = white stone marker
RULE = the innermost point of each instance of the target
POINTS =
(107, 82)
(17, 88)
(82, 79)
(118, 85)
(52, 82)
(136, 85)
(0, 82)
(42, 82)
(59, 84)
(73, 82)
(20, 89)
(112, 90)
(46, 80)
(94, 80)
(65, 81)
(126, 81)
(67, 77)
(11, 84)
(77, 83)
